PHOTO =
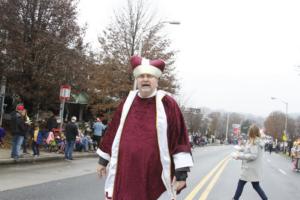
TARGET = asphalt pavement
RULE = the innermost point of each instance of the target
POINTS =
(213, 177)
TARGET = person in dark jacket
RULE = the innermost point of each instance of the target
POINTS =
(2, 134)
(71, 133)
(28, 126)
(52, 122)
(18, 130)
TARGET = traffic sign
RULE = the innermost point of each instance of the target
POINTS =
(65, 91)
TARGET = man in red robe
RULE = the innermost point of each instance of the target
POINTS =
(146, 144)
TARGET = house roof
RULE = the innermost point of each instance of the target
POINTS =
(81, 98)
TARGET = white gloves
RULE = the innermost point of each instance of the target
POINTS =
(235, 155)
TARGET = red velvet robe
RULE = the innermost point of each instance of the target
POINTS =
(139, 168)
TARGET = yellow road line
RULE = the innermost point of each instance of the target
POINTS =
(204, 180)
(204, 195)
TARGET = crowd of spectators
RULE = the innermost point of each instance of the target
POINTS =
(46, 134)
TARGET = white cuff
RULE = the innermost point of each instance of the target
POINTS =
(102, 154)
(183, 159)
(146, 69)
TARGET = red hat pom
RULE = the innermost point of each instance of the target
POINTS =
(135, 61)
(160, 64)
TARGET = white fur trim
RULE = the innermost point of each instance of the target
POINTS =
(165, 195)
(151, 95)
(165, 159)
(109, 183)
(102, 154)
(183, 159)
(147, 69)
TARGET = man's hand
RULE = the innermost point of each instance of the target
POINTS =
(101, 171)
(235, 155)
(178, 185)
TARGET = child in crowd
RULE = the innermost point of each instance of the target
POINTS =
(78, 143)
(296, 155)
(60, 144)
(52, 147)
(37, 138)
(2, 134)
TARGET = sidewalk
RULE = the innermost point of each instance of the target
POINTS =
(44, 156)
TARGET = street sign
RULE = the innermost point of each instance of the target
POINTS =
(65, 91)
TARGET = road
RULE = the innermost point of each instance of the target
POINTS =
(214, 177)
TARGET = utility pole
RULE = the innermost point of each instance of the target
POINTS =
(285, 134)
(286, 113)
(65, 92)
(227, 123)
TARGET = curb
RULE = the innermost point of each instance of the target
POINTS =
(9, 161)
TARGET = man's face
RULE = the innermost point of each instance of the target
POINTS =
(146, 84)
(23, 112)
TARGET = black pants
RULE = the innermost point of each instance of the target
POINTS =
(97, 140)
(255, 185)
(35, 148)
(24, 144)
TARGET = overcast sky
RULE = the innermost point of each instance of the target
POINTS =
(233, 54)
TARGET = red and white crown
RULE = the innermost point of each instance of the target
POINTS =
(144, 66)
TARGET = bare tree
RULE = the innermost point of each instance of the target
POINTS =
(274, 124)
(133, 26)
(193, 117)
(291, 129)
(221, 129)
(214, 123)
(218, 123)
(297, 128)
